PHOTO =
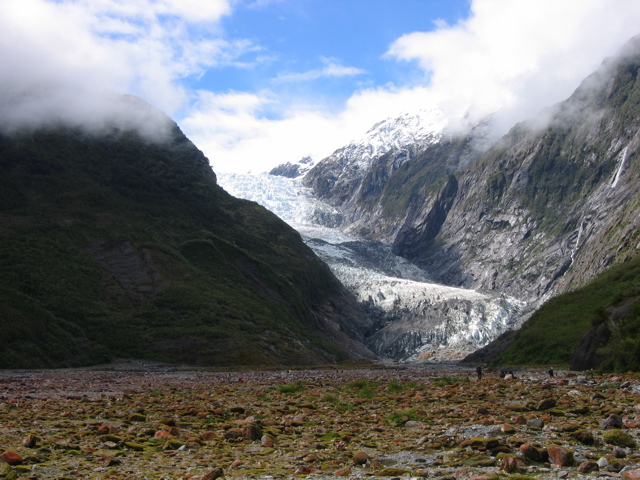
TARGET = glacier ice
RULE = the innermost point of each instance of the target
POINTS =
(411, 317)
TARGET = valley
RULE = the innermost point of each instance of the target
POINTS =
(410, 318)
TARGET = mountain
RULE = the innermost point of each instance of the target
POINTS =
(115, 245)
(545, 209)
(372, 179)
(542, 211)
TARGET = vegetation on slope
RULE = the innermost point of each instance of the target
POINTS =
(113, 246)
(554, 333)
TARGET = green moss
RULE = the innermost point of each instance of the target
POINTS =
(292, 388)
(554, 332)
(400, 418)
(220, 281)
(446, 380)
(363, 388)
(619, 438)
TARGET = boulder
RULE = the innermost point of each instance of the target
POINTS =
(560, 456)
(511, 464)
(588, 467)
(11, 457)
(612, 421)
(546, 404)
(532, 453)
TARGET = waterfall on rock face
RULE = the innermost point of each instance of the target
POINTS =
(411, 318)
(620, 169)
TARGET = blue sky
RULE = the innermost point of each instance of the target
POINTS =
(255, 83)
(324, 50)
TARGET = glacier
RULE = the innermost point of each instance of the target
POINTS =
(412, 319)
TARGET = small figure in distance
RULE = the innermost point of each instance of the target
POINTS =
(479, 372)
(551, 374)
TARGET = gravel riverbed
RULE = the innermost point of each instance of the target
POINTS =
(143, 420)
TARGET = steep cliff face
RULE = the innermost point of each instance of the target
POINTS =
(372, 181)
(544, 209)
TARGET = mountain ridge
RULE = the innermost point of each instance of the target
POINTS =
(117, 246)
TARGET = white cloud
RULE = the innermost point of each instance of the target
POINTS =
(519, 55)
(66, 52)
(332, 69)
(236, 135)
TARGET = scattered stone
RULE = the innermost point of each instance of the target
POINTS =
(213, 474)
(583, 436)
(30, 441)
(588, 466)
(619, 438)
(631, 474)
(612, 421)
(546, 404)
(520, 420)
(11, 457)
(110, 462)
(392, 472)
(535, 423)
(530, 452)
(360, 458)
(414, 424)
(511, 464)
(137, 417)
(329, 429)
(252, 432)
(233, 434)
(560, 456)
(134, 446)
(619, 452)
(267, 441)
(508, 429)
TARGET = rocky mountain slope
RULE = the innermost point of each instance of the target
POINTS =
(543, 210)
(409, 317)
(549, 206)
(112, 245)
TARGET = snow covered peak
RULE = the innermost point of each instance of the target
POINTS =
(417, 129)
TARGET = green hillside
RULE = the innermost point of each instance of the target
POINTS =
(554, 334)
(117, 247)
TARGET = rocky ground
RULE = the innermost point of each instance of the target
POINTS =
(148, 421)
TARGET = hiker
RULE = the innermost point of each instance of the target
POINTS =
(551, 372)
(479, 372)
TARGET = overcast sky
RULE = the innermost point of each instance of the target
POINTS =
(256, 83)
